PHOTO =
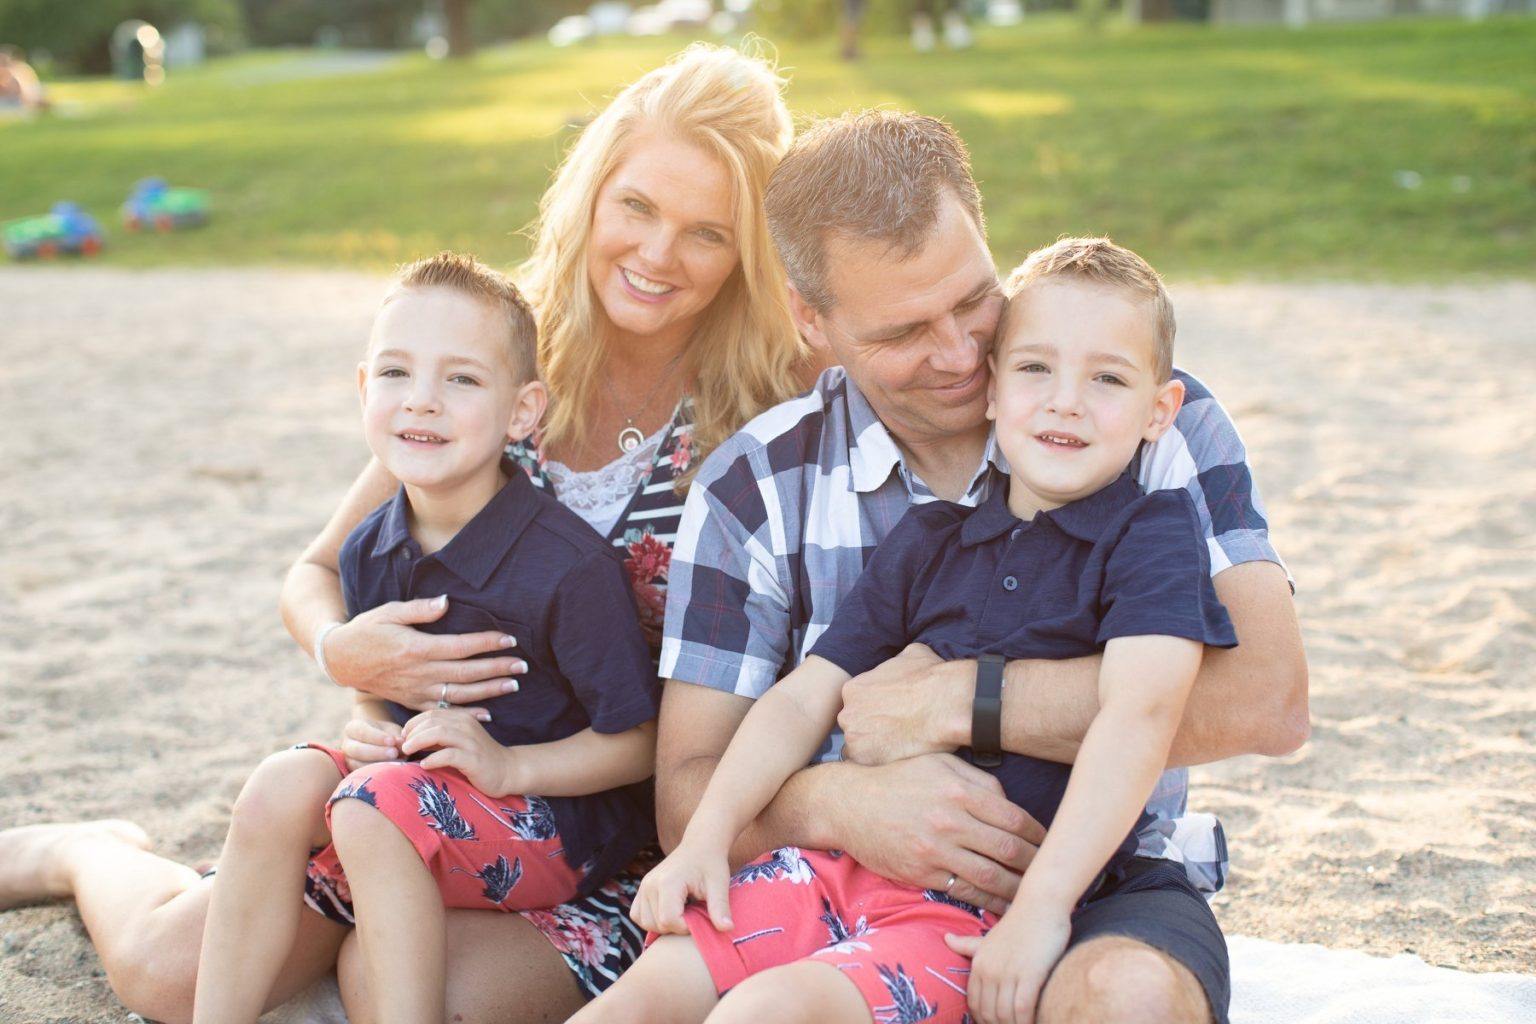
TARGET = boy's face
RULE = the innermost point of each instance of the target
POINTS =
(439, 395)
(1074, 390)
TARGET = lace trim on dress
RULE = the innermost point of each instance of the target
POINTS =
(600, 495)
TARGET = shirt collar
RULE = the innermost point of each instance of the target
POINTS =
(873, 453)
(1085, 519)
(482, 544)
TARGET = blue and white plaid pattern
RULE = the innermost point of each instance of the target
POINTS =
(782, 517)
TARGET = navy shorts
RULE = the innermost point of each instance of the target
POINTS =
(1153, 902)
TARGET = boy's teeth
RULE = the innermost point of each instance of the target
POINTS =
(645, 284)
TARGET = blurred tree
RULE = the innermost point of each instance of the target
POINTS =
(379, 24)
(461, 41)
(76, 32)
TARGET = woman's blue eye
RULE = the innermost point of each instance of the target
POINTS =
(711, 236)
(637, 206)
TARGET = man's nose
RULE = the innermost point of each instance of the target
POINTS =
(954, 350)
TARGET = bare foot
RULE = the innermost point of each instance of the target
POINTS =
(34, 858)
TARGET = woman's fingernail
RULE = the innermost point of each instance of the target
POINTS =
(510, 686)
(442, 602)
(484, 716)
(508, 641)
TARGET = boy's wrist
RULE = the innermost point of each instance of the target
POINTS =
(514, 781)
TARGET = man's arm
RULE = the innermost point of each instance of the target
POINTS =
(918, 820)
(1251, 699)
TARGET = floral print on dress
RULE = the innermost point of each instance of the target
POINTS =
(646, 565)
(594, 935)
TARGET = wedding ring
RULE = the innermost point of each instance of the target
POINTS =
(442, 698)
(950, 884)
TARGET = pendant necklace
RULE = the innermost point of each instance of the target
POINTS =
(630, 436)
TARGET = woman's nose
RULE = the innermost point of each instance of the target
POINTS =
(658, 248)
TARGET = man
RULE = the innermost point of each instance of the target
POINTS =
(879, 223)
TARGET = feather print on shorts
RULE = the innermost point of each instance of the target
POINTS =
(784, 863)
(435, 803)
(500, 878)
(537, 822)
(940, 896)
(906, 1007)
(357, 792)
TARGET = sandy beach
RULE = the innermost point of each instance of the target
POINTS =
(177, 436)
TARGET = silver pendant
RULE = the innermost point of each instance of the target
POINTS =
(629, 439)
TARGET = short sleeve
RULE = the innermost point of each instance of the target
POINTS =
(1204, 455)
(349, 568)
(595, 637)
(870, 625)
(727, 621)
(1157, 579)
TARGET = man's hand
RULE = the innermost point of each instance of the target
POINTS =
(381, 653)
(921, 820)
(903, 708)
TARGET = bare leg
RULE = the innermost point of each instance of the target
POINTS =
(669, 984)
(400, 916)
(501, 970)
(254, 916)
(144, 913)
(1117, 979)
(804, 992)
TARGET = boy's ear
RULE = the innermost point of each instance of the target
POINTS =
(527, 410)
(1165, 406)
(991, 385)
(362, 382)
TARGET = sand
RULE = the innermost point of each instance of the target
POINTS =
(175, 437)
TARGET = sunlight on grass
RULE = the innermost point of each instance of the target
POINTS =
(999, 103)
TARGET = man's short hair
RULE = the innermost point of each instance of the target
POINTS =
(468, 276)
(876, 175)
(1100, 261)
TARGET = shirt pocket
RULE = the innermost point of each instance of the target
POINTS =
(542, 709)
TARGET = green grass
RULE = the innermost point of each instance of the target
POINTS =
(1218, 153)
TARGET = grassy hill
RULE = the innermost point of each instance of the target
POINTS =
(1401, 150)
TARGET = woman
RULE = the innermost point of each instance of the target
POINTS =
(663, 328)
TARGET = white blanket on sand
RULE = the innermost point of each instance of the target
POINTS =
(1272, 983)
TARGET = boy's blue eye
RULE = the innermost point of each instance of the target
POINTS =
(460, 378)
(1034, 368)
(1109, 378)
(392, 371)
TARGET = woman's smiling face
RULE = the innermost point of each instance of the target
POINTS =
(663, 238)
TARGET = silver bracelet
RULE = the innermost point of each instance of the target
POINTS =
(320, 635)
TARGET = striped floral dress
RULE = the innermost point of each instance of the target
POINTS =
(595, 935)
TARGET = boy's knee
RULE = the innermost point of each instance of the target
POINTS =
(283, 793)
(1116, 979)
(806, 992)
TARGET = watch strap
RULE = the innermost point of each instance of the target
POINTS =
(987, 712)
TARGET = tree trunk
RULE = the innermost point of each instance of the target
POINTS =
(460, 42)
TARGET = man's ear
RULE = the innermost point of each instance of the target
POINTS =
(807, 321)
(527, 410)
(992, 385)
(1170, 397)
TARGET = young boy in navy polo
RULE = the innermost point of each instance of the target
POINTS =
(1070, 559)
(449, 377)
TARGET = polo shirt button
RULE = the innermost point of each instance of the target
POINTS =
(1010, 583)
(1014, 533)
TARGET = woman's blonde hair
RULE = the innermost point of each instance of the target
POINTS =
(729, 104)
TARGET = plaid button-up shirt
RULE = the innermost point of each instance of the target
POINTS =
(782, 517)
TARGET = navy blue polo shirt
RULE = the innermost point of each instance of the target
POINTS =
(971, 581)
(528, 566)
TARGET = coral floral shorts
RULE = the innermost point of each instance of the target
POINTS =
(486, 853)
(887, 938)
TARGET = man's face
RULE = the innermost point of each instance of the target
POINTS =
(913, 334)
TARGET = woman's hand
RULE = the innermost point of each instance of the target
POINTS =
(1009, 966)
(381, 653)
(458, 740)
(689, 871)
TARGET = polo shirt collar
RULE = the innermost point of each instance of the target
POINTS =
(873, 453)
(1085, 519)
(481, 546)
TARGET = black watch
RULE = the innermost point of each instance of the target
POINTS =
(987, 712)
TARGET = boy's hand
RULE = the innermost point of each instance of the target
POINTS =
(458, 740)
(688, 871)
(369, 741)
(1009, 966)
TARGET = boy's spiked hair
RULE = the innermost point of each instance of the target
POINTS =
(1101, 261)
(467, 275)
